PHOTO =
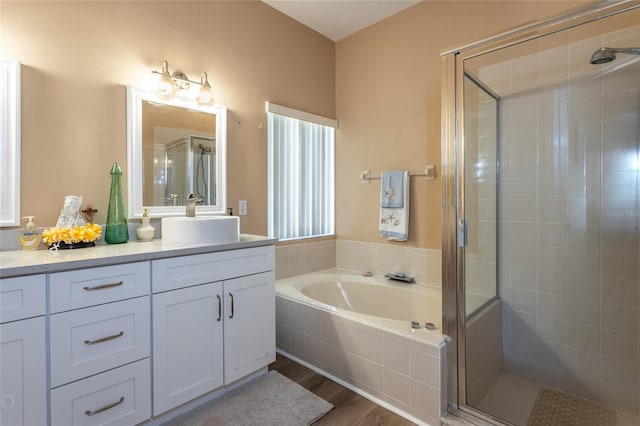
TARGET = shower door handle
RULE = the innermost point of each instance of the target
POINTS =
(462, 233)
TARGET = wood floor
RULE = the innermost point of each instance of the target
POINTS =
(349, 407)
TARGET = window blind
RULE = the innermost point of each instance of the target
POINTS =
(301, 178)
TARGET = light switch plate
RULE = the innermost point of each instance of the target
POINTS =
(242, 207)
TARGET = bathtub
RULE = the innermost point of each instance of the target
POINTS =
(357, 331)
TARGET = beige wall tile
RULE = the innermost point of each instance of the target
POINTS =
(372, 375)
(371, 347)
(396, 357)
(397, 386)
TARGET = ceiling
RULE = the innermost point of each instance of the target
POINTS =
(337, 19)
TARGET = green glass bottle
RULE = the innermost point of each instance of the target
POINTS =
(116, 231)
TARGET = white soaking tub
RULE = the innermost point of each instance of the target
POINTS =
(357, 331)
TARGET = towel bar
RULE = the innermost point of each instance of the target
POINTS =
(429, 172)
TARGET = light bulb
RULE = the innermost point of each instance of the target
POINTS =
(165, 87)
(205, 96)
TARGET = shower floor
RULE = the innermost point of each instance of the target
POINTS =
(512, 398)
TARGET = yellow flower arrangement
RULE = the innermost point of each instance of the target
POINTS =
(85, 234)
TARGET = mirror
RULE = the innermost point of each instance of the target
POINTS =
(10, 142)
(174, 147)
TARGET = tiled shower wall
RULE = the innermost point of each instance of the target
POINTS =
(569, 217)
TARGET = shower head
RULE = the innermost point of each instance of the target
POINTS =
(608, 54)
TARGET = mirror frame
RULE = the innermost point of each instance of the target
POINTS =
(135, 97)
(10, 79)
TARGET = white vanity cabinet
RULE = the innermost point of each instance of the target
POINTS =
(249, 327)
(100, 345)
(23, 384)
(187, 345)
(216, 324)
(94, 337)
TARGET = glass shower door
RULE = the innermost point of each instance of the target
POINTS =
(544, 233)
(482, 307)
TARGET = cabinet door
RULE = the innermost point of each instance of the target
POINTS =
(23, 387)
(187, 345)
(249, 328)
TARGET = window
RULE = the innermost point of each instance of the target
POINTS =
(300, 173)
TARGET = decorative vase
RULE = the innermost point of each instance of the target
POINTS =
(116, 231)
(145, 231)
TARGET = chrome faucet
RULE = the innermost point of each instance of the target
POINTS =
(192, 200)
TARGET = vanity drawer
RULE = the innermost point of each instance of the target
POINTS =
(185, 271)
(22, 297)
(117, 397)
(91, 340)
(93, 286)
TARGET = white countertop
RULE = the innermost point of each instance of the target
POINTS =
(21, 262)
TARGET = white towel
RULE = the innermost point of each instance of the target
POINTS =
(394, 222)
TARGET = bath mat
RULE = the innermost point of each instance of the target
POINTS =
(269, 400)
(555, 408)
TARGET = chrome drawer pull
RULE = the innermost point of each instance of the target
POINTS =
(103, 286)
(105, 408)
(219, 307)
(231, 295)
(103, 339)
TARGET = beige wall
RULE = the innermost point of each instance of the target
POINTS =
(388, 102)
(78, 57)
(383, 83)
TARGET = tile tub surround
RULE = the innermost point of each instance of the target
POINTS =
(298, 259)
(401, 371)
(425, 265)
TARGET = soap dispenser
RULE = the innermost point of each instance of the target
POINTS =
(145, 231)
(30, 239)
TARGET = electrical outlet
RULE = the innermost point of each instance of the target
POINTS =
(242, 207)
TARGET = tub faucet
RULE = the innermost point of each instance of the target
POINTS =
(192, 200)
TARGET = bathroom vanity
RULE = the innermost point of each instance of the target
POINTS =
(131, 333)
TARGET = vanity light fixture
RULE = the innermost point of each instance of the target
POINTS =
(205, 96)
(165, 87)
(177, 83)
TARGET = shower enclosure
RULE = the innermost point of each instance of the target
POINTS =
(188, 167)
(541, 246)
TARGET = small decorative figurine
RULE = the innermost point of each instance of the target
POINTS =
(71, 230)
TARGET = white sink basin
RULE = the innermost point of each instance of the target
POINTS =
(200, 229)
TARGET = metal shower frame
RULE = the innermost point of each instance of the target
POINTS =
(453, 144)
